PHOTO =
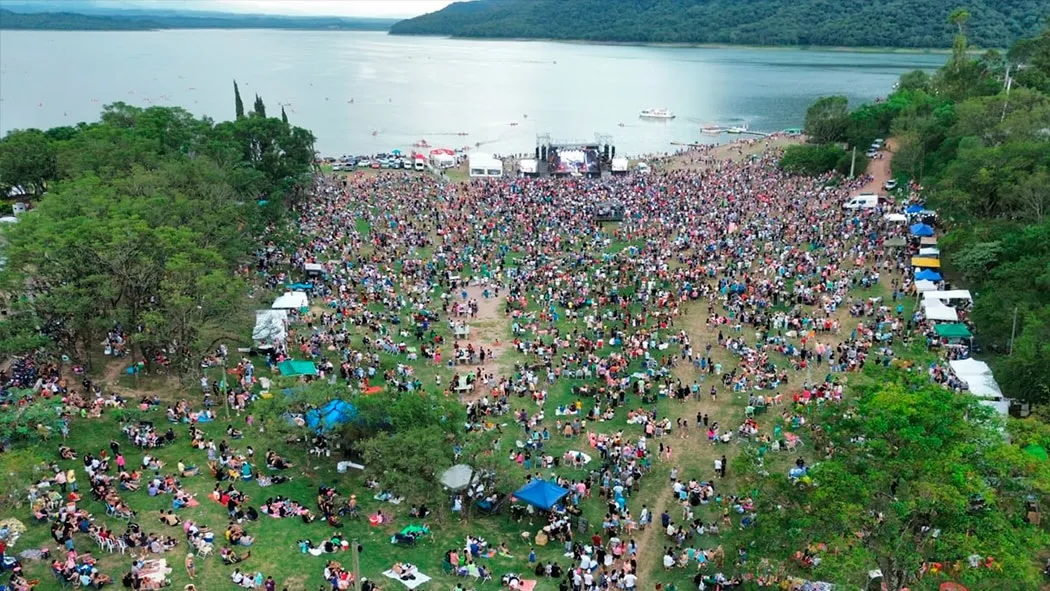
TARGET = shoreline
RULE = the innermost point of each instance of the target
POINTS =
(816, 48)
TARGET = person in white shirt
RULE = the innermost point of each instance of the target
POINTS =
(629, 581)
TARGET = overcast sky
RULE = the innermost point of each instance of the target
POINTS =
(373, 8)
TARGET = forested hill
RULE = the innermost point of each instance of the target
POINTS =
(856, 23)
(71, 21)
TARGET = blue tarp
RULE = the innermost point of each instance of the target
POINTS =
(928, 275)
(921, 230)
(541, 494)
(300, 286)
(913, 209)
(333, 414)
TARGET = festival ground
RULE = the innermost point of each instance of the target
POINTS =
(276, 552)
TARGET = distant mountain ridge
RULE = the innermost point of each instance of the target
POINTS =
(144, 20)
(855, 23)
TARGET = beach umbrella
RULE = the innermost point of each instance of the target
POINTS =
(457, 477)
(395, 152)
(921, 230)
(928, 275)
(913, 209)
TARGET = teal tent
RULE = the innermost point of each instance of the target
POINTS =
(952, 331)
(292, 368)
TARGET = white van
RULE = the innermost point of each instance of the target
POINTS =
(863, 201)
(420, 164)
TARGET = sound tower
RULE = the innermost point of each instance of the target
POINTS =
(537, 152)
(606, 151)
(614, 151)
(544, 152)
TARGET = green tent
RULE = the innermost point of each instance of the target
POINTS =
(415, 529)
(294, 368)
(896, 242)
(952, 331)
(1036, 451)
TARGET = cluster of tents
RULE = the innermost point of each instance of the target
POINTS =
(939, 307)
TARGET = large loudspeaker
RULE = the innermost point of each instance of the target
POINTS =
(614, 151)
(544, 152)
(537, 153)
(606, 151)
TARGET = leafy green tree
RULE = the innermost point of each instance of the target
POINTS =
(811, 160)
(238, 104)
(827, 120)
(917, 474)
(410, 462)
(27, 160)
(976, 259)
(914, 80)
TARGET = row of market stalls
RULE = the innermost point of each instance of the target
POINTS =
(944, 308)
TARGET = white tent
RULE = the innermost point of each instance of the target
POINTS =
(936, 311)
(978, 377)
(923, 285)
(271, 327)
(895, 217)
(292, 300)
(485, 165)
(442, 160)
(946, 296)
(930, 251)
(313, 268)
(1001, 406)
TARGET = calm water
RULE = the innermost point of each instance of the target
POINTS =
(406, 89)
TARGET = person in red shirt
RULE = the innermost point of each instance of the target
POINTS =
(596, 540)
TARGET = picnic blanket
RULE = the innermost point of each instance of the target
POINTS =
(419, 579)
(155, 570)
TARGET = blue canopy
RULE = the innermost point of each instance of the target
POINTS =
(541, 494)
(333, 414)
(300, 286)
(928, 275)
(921, 230)
(913, 209)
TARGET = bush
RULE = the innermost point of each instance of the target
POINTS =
(843, 165)
(811, 160)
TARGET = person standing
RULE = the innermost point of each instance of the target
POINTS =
(724, 466)
(718, 467)
(191, 567)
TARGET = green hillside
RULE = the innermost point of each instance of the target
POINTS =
(858, 23)
(70, 21)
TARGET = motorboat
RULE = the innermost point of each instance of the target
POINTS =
(656, 114)
(711, 130)
(422, 144)
(737, 129)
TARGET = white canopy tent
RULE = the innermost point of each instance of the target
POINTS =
(923, 285)
(1001, 406)
(978, 377)
(930, 251)
(313, 268)
(938, 312)
(292, 300)
(484, 165)
(895, 217)
(271, 327)
(442, 160)
(946, 296)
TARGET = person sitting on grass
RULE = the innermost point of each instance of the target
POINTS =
(276, 462)
(230, 556)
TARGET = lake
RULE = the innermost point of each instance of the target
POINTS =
(367, 92)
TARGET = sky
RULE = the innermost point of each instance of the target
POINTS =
(361, 8)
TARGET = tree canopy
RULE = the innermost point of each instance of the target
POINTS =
(914, 476)
(148, 216)
(856, 23)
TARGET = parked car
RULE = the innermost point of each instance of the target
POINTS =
(375, 164)
(890, 184)
(337, 167)
(363, 163)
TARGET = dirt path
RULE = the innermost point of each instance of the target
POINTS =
(879, 168)
(489, 330)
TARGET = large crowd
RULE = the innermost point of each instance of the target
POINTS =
(769, 259)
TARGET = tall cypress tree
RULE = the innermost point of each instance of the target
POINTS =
(238, 104)
(284, 116)
(260, 108)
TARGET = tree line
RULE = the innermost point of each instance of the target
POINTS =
(143, 220)
(976, 136)
(850, 23)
